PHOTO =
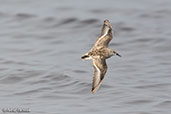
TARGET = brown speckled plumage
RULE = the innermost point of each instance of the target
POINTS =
(99, 53)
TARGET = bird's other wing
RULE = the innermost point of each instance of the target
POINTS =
(100, 68)
(106, 35)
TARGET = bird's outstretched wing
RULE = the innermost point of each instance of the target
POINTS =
(100, 68)
(106, 35)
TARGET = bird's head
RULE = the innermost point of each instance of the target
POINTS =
(115, 53)
(112, 53)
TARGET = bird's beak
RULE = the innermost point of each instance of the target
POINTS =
(118, 54)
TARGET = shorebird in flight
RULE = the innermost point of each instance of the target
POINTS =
(99, 53)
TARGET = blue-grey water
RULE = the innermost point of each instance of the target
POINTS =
(41, 42)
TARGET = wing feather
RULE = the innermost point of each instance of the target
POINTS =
(106, 35)
(103, 41)
(100, 68)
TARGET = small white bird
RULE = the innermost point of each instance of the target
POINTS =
(99, 53)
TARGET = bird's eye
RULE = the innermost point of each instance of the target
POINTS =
(109, 31)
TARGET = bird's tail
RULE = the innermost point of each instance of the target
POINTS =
(85, 57)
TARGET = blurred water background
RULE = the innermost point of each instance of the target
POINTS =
(41, 42)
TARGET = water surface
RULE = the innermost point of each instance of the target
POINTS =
(41, 43)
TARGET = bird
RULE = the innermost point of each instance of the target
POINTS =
(99, 53)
